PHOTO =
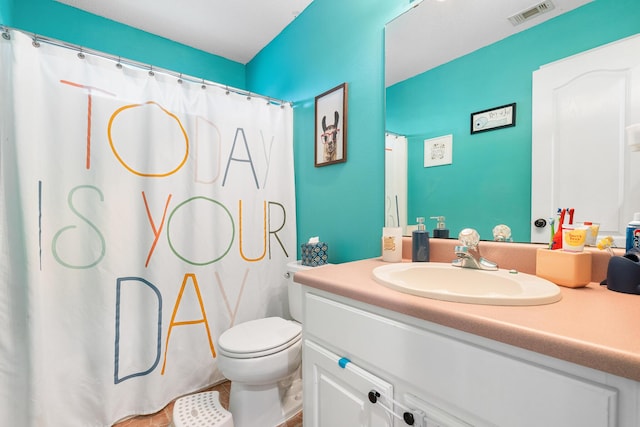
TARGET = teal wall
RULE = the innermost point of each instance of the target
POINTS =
(6, 11)
(56, 20)
(331, 42)
(489, 181)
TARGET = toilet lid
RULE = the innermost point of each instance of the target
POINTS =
(260, 337)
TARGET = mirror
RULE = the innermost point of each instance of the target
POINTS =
(448, 60)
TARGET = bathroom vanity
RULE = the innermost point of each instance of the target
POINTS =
(369, 351)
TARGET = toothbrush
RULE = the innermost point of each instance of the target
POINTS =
(557, 237)
(552, 223)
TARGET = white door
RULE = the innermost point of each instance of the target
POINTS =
(338, 397)
(395, 181)
(581, 158)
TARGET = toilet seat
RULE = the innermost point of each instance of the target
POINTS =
(258, 338)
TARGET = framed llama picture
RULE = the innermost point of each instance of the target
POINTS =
(331, 126)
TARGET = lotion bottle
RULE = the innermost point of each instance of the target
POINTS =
(420, 243)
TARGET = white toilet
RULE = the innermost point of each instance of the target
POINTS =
(262, 359)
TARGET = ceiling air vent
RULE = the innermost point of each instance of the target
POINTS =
(531, 12)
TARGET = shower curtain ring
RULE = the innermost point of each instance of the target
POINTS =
(6, 35)
(151, 73)
(81, 54)
(119, 64)
(180, 79)
(204, 86)
(35, 42)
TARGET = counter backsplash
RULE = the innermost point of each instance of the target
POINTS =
(518, 256)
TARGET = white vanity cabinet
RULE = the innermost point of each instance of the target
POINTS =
(441, 376)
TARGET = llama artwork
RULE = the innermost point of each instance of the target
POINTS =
(330, 138)
(331, 126)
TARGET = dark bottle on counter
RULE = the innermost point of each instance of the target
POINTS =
(420, 243)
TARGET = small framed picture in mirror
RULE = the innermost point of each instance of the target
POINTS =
(331, 126)
(493, 118)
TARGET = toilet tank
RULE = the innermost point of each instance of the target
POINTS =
(295, 289)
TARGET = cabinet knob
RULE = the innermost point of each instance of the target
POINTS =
(408, 418)
(540, 223)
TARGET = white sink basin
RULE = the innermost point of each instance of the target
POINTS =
(446, 282)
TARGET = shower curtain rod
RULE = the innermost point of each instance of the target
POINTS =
(36, 40)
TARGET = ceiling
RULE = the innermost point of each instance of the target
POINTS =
(234, 29)
(434, 32)
(431, 33)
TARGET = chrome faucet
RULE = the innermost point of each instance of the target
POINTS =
(468, 253)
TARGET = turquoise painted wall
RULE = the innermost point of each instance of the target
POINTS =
(490, 179)
(331, 42)
(6, 11)
(59, 21)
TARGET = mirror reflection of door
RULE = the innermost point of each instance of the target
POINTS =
(395, 181)
(581, 158)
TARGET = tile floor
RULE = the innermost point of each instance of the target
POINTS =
(163, 418)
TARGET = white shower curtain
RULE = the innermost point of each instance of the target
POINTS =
(140, 217)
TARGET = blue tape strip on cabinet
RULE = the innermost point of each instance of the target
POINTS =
(343, 362)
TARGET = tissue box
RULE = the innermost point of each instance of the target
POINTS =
(314, 254)
(570, 269)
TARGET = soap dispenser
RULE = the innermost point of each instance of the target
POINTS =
(420, 243)
(441, 230)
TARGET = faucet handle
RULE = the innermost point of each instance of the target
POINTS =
(469, 237)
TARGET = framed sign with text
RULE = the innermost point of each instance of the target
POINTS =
(493, 118)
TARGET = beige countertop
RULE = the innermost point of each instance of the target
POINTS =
(590, 326)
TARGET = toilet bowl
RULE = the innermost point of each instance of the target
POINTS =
(262, 359)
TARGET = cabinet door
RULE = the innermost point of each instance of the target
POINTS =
(338, 397)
